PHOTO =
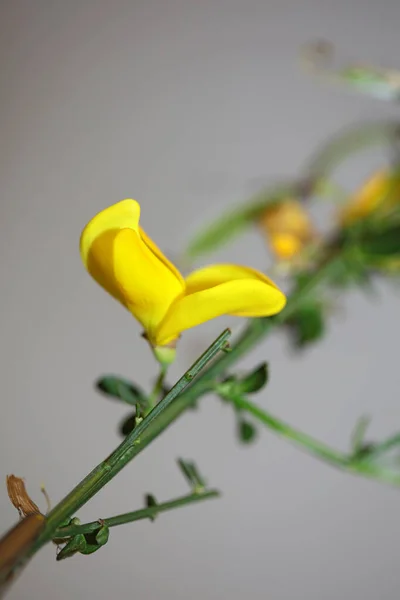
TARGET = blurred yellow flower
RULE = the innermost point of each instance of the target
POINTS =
(126, 263)
(380, 192)
(288, 228)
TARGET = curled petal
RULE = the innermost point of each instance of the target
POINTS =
(124, 261)
(213, 275)
(124, 214)
(97, 240)
(380, 191)
(221, 290)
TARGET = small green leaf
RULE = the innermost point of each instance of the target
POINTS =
(381, 244)
(373, 81)
(307, 324)
(150, 502)
(74, 545)
(246, 431)
(128, 424)
(86, 543)
(192, 475)
(124, 390)
(102, 535)
(254, 381)
(91, 545)
(358, 435)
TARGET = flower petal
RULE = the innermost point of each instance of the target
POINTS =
(124, 214)
(220, 290)
(124, 261)
(213, 275)
(144, 279)
(285, 245)
(380, 191)
(288, 228)
(97, 239)
(156, 250)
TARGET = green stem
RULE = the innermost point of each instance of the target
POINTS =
(158, 387)
(315, 447)
(125, 452)
(143, 513)
(307, 442)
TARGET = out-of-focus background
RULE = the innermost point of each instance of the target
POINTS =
(186, 106)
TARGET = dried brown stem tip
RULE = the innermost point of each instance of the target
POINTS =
(19, 497)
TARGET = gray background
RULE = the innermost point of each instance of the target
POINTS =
(184, 105)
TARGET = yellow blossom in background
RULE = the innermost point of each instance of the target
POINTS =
(126, 263)
(380, 192)
(288, 228)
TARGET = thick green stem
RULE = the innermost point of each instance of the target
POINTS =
(144, 513)
(125, 452)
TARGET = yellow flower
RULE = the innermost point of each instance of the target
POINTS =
(288, 227)
(127, 264)
(379, 192)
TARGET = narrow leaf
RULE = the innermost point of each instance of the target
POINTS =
(192, 475)
(254, 381)
(358, 435)
(124, 390)
(246, 431)
(307, 324)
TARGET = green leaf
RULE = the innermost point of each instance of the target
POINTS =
(128, 424)
(124, 390)
(246, 431)
(85, 543)
(74, 545)
(254, 381)
(372, 81)
(192, 475)
(307, 324)
(381, 244)
(151, 501)
(358, 435)
(102, 535)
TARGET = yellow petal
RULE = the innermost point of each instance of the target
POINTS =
(382, 189)
(288, 216)
(146, 283)
(125, 262)
(97, 240)
(220, 290)
(124, 214)
(213, 275)
(285, 245)
(288, 228)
